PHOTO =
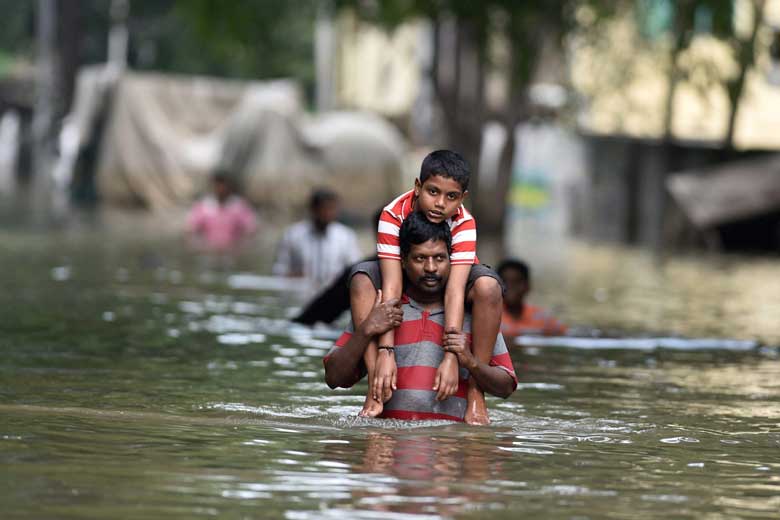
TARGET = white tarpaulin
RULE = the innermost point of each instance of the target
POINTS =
(167, 134)
(728, 192)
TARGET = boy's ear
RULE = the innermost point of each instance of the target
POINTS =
(465, 194)
(417, 187)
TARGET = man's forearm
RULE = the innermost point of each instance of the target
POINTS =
(342, 365)
(493, 380)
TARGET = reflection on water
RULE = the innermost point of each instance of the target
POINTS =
(139, 382)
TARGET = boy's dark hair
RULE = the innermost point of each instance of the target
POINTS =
(320, 196)
(446, 163)
(416, 229)
(517, 265)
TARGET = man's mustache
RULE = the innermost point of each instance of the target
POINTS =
(430, 277)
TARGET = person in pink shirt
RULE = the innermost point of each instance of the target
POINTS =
(221, 220)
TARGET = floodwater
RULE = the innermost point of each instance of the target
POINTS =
(140, 381)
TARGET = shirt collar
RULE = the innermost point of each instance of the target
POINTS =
(405, 299)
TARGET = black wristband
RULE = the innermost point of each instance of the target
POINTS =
(387, 348)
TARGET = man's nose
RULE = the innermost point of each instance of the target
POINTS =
(429, 266)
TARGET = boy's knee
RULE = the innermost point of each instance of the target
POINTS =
(487, 291)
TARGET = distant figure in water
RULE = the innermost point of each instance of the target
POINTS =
(421, 338)
(330, 303)
(317, 248)
(520, 317)
(222, 220)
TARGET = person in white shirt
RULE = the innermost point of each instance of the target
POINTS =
(318, 248)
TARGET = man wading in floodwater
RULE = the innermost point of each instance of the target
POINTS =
(421, 340)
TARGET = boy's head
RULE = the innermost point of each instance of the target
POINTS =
(442, 185)
(425, 253)
(517, 277)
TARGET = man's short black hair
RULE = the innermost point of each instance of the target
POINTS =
(517, 265)
(446, 163)
(416, 230)
(320, 196)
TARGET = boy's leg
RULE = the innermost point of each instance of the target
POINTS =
(362, 293)
(485, 295)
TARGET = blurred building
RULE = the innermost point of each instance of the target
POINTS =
(623, 76)
(644, 144)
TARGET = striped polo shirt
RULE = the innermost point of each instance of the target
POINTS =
(418, 353)
(463, 228)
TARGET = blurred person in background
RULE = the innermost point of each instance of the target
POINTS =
(318, 248)
(520, 317)
(333, 300)
(222, 220)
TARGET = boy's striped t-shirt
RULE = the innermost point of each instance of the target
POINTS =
(418, 353)
(462, 226)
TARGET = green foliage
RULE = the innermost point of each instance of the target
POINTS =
(17, 25)
(684, 18)
(237, 38)
(244, 38)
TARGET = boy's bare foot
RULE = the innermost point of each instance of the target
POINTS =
(476, 408)
(371, 407)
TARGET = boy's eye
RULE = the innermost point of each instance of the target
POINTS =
(452, 196)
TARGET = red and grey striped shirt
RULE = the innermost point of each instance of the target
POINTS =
(462, 226)
(418, 353)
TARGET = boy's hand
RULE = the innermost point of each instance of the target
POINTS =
(384, 376)
(456, 342)
(384, 316)
(446, 382)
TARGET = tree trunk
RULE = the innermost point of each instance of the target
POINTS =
(746, 56)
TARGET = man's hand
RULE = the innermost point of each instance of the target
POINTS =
(384, 316)
(446, 382)
(456, 342)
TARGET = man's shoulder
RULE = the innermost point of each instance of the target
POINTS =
(342, 230)
(297, 229)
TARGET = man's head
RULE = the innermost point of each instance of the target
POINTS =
(425, 255)
(324, 205)
(442, 185)
(517, 278)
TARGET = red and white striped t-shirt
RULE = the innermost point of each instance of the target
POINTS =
(462, 226)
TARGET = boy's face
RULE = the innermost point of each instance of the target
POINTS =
(438, 198)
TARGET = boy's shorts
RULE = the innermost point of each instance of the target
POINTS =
(371, 269)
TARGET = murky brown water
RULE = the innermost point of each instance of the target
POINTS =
(139, 381)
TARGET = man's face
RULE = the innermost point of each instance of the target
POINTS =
(325, 213)
(438, 198)
(516, 286)
(427, 266)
